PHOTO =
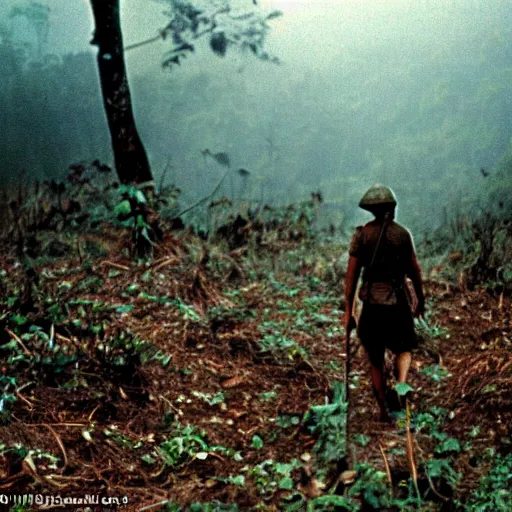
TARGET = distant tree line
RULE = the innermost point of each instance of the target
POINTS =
(51, 112)
(426, 128)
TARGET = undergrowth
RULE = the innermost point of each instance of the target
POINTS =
(202, 366)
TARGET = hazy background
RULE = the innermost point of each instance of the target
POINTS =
(416, 95)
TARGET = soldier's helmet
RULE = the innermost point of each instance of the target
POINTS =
(378, 197)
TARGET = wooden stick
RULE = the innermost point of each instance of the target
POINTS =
(410, 449)
(346, 385)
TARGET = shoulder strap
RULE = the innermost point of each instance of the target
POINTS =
(381, 235)
(383, 230)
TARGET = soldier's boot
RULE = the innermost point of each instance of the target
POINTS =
(383, 409)
(393, 400)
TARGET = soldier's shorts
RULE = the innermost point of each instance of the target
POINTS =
(382, 327)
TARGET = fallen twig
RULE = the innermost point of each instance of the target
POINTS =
(11, 480)
(165, 263)
(49, 479)
(89, 418)
(115, 265)
(388, 470)
(54, 424)
(430, 483)
(154, 505)
(80, 478)
(60, 337)
(26, 400)
(17, 339)
(169, 403)
(61, 446)
(24, 386)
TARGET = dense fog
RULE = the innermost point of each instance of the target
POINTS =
(416, 95)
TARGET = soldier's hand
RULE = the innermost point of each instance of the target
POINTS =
(419, 309)
(350, 322)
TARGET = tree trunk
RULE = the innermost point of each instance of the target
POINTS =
(130, 157)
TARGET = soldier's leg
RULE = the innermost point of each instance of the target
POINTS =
(379, 382)
(402, 366)
(371, 336)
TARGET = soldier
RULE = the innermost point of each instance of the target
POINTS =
(384, 250)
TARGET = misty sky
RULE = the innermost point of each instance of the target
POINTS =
(311, 32)
(343, 63)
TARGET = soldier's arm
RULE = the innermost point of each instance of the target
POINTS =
(351, 278)
(417, 281)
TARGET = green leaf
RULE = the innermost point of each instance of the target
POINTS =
(257, 442)
(140, 222)
(449, 445)
(125, 189)
(140, 197)
(237, 480)
(337, 501)
(402, 388)
(19, 319)
(9, 345)
(132, 288)
(87, 436)
(123, 208)
(362, 440)
(126, 308)
(441, 468)
(145, 233)
(4, 379)
(286, 483)
(217, 398)
(269, 395)
(148, 459)
(285, 469)
(475, 431)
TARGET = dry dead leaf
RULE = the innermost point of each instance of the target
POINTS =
(233, 382)
(313, 488)
(348, 477)
(237, 413)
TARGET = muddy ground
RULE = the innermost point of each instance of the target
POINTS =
(238, 345)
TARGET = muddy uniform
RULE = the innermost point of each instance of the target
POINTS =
(386, 320)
